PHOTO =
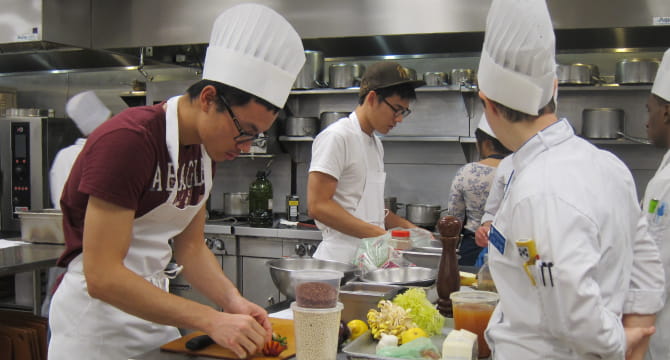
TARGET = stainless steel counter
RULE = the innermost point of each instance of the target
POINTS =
(246, 230)
(163, 355)
(32, 257)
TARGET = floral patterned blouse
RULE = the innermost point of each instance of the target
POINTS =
(468, 194)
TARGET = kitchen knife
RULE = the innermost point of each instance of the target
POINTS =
(199, 342)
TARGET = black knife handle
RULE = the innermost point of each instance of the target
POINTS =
(199, 342)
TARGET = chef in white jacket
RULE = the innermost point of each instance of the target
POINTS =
(87, 112)
(565, 239)
(657, 196)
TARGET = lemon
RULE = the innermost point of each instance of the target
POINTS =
(411, 334)
(467, 279)
(357, 328)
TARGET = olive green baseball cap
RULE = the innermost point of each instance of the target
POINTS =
(385, 74)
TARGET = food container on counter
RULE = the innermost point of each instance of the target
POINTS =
(42, 226)
(317, 289)
(472, 311)
(359, 297)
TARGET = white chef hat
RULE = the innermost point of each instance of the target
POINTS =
(256, 50)
(517, 67)
(661, 86)
(485, 127)
(87, 111)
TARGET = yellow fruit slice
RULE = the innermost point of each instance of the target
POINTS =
(357, 328)
(467, 279)
(411, 334)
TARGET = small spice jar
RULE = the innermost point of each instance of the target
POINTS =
(400, 239)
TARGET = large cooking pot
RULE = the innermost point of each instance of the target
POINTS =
(422, 214)
(435, 78)
(577, 74)
(391, 203)
(301, 126)
(636, 71)
(341, 76)
(311, 74)
(602, 123)
(462, 76)
(329, 117)
(359, 70)
(236, 204)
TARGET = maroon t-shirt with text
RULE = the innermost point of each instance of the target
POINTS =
(125, 161)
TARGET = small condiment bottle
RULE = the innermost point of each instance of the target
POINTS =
(400, 239)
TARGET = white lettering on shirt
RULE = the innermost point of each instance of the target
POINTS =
(190, 175)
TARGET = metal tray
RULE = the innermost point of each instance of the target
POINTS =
(42, 226)
(365, 347)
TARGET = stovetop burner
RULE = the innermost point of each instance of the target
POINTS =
(218, 216)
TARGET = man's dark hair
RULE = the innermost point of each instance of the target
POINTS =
(661, 101)
(498, 147)
(405, 91)
(518, 116)
(234, 96)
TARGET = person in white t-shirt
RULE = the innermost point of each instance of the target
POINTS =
(345, 186)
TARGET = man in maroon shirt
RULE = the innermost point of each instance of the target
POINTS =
(143, 178)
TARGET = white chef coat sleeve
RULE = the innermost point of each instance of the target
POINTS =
(573, 309)
(497, 190)
(329, 153)
(647, 284)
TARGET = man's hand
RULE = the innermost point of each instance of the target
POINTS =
(482, 234)
(639, 329)
(637, 341)
(240, 333)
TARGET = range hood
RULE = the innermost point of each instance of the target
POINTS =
(381, 27)
(71, 34)
(53, 35)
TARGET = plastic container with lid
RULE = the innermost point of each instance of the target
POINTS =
(400, 239)
(317, 288)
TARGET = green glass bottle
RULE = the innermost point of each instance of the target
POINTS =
(260, 201)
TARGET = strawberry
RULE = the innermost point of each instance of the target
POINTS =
(275, 346)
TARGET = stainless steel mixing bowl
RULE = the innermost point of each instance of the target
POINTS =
(416, 276)
(281, 270)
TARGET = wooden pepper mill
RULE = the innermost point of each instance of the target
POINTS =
(448, 278)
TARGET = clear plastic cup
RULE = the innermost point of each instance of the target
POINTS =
(316, 289)
(316, 332)
(472, 311)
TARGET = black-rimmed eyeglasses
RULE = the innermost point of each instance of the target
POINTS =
(398, 112)
(244, 136)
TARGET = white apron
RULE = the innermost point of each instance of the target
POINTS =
(337, 246)
(659, 228)
(87, 328)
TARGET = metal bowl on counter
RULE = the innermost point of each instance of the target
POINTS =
(408, 276)
(281, 269)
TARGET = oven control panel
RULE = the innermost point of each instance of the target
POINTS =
(20, 167)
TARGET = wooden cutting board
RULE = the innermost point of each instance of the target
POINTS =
(281, 327)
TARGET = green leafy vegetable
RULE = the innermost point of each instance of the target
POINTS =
(423, 313)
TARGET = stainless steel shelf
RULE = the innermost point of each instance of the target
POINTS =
(354, 90)
(420, 138)
(325, 91)
(296, 138)
(620, 141)
(605, 87)
(253, 156)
